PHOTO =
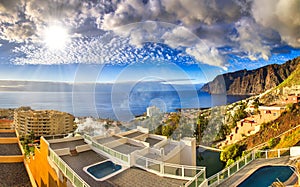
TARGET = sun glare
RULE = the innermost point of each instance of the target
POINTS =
(56, 37)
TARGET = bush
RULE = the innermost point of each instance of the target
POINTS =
(232, 152)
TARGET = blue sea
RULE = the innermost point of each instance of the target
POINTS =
(114, 103)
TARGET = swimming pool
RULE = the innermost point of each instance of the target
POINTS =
(265, 176)
(103, 170)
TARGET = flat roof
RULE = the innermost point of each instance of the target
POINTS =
(127, 148)
(107, 139)
(8, 135)
(14, 174)
(83, 159)
(152, 141)
(168, 147)
(68, 144)
(134, 134)
(10, 149)
(135, 177)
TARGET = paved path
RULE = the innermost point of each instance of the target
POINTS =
(210, 148)
(241, 175)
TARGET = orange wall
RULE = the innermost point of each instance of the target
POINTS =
(40, 167)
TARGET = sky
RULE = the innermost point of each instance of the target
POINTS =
(180, 41)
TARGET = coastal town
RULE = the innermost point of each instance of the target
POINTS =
(151, 141)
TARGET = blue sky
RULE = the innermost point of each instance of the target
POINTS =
(180, 41)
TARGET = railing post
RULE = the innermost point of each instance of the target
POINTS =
(218, 178)
(278, 153)
(162, 171)
(237, 166)
(266, 154)
(228, 171)
(146, 163)
(246, 160)
(182, 171)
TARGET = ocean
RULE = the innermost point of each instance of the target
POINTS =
(113, 103)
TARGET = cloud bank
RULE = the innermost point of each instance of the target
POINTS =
(115, 31)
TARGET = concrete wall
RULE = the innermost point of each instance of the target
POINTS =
(295, 151)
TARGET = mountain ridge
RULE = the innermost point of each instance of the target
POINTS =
(251, 82)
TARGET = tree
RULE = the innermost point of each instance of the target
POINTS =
(232, 152)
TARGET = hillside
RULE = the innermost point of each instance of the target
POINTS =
(287, 120)
(251, 82)
(276, 93)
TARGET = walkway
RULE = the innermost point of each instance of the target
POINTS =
(241, 175)
(209, 148)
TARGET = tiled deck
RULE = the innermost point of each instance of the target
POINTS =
(14, 174)
(127, 148)
(107, 139)
(70, 144)
(152, 141)
(8, 135)
(134, 134)
(10, 149)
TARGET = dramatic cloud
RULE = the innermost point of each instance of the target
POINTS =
(282, 16)
(111, 31)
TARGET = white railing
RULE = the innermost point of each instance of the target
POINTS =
(120, 156)
(176, 171)
(76, 180)
(218, 178)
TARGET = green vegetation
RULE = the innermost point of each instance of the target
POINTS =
(27, 143)
(293, 79)
(231, 153)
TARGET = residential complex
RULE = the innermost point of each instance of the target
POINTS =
(252, 124)
(132, 158)
(43, 122)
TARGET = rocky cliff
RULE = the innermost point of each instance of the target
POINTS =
(250, 82)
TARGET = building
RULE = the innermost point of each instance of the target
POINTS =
(13, 165)
(291, 99)
(43, 122)
(153, 111)
(136, 158)
(293, 90)
(251, 125)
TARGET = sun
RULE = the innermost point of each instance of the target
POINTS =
(56, 37)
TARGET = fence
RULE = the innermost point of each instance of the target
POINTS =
(218, 178)
(125, 158)
(76, 180)
(194, 174)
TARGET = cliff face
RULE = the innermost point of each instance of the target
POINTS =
(251, 82)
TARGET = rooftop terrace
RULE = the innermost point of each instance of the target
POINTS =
(127, 148)
(8, 135)
(14, 174)
(152, 141)
(134, 134)
(67, 144)
(10, 149)
(107, 139)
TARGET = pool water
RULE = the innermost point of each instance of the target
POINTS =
(103, 169)
(265, 176)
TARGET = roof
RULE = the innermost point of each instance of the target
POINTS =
(10, 149)
(8, 134)
(14, 174)
(67, 144)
